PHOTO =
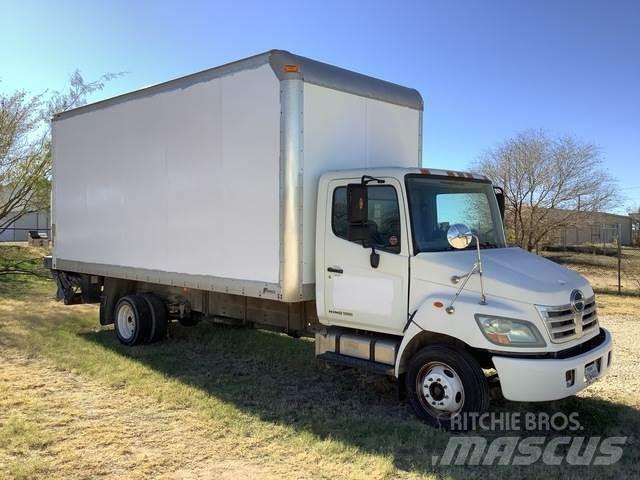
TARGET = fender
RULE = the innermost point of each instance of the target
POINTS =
(436, 325)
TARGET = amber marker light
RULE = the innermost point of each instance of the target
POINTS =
(290, 68)
(499, 338)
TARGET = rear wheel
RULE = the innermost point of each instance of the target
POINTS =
(159, 321)
(443, 381)
(132, 320)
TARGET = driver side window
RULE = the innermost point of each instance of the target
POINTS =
(384, 216)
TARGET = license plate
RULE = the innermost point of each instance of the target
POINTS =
(591, 372)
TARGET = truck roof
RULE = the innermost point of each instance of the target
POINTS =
(400, 172)
(286, 66)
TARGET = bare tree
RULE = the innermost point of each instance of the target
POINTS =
(25, 144)
(549, 182)
(633, 208)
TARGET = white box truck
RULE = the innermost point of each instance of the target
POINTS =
(285, 193)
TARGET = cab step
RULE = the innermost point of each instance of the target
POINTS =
(368, 365)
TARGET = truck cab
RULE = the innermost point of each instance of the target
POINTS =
(412, 266)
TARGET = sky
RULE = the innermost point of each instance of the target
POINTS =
(486, 69)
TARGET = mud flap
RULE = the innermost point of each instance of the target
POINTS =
(113, 290)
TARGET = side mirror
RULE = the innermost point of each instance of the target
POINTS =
(500, 198)
(459, 236)
(357, 212)
(357, 203)
(358, 217)
(358, 233)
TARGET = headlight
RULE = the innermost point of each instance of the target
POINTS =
(510, 332)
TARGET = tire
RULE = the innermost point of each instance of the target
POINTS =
(434, 373)
(132, 320)
(159, 320)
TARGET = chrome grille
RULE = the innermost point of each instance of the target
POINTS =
(564, 324)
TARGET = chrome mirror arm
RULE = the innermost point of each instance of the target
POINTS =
(477, 267)
(483, 298)
(450, 308)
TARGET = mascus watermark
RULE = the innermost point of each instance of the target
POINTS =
(529, 450)
(513, 449)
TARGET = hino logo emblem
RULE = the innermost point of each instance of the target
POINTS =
(577, 301)
(577, 305)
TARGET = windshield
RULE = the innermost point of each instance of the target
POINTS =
(435, 204)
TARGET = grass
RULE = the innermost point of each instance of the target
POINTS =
(23, 440)
(21, 269)
(219, 402)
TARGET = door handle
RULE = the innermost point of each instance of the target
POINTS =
(335, 270)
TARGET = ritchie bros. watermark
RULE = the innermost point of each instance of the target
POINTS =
(522, 421)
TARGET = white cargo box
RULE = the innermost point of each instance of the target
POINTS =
(209, 181)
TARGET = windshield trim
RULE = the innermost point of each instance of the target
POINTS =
(492, 200)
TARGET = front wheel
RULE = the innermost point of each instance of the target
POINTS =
(443, 381)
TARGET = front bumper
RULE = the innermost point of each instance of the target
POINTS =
(540, 380)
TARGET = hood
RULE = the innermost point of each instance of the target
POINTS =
(510, 273)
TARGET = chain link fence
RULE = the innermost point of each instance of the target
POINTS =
(604, 254)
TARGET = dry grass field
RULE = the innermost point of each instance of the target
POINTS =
(213, 402)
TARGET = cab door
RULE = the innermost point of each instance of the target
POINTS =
(357, 294)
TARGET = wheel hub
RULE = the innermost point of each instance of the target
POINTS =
(437, 391)
(126, 319)
(442, 388)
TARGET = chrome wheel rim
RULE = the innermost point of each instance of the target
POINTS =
(126, 321)
(440, 390)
